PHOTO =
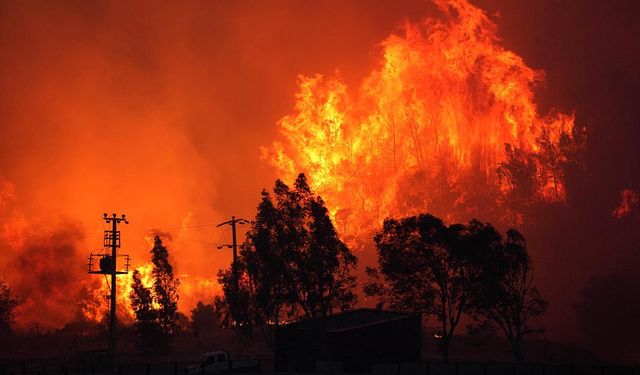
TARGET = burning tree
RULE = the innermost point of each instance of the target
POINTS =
(155, 306)
(293, 263)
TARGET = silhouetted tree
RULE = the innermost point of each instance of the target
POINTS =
(183, 323)
(507, 296)
(8, 304)
(321, 264)
(233, 306)
(147, 323)
(165, 287)
(428, 267)
(203, 319)
(266, 263)
(156, 307)
(292, 262)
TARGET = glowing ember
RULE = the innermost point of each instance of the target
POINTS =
(629, 203)
(428, 129)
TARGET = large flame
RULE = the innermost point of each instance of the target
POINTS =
(191, 290)
(426, 130)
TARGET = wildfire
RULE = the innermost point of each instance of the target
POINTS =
(428, 129)
(192, 289)
(100, 309)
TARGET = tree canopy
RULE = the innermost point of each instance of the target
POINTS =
(155, 307)
(448, 271)
(506, 297)
(165, 286)
(8, 305)
(293, 263)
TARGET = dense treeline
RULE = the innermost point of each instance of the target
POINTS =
(448, 271)
(293, 265)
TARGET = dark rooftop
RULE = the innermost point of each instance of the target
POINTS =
(351, 319)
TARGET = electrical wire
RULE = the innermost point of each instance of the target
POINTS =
(169, 230)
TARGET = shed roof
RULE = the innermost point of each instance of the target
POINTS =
(351, 320)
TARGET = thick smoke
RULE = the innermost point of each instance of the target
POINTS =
(41, 263)
(49, 277)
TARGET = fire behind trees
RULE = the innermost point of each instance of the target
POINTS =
(293, 265)
(156, 307)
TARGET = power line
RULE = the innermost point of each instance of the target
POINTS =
(80, 236)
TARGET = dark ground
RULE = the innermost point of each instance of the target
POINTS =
(67, 349)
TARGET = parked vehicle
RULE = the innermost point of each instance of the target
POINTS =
(219, 362)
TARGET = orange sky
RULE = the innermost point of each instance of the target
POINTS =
(159, 111)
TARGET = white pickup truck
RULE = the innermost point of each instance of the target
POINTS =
(219, 362)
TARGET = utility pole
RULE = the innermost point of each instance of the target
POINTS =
(115, 244)
(233, 245)
(234, 269)
(108, 266)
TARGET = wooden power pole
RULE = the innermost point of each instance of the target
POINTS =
(233, 304)
(108, 266)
